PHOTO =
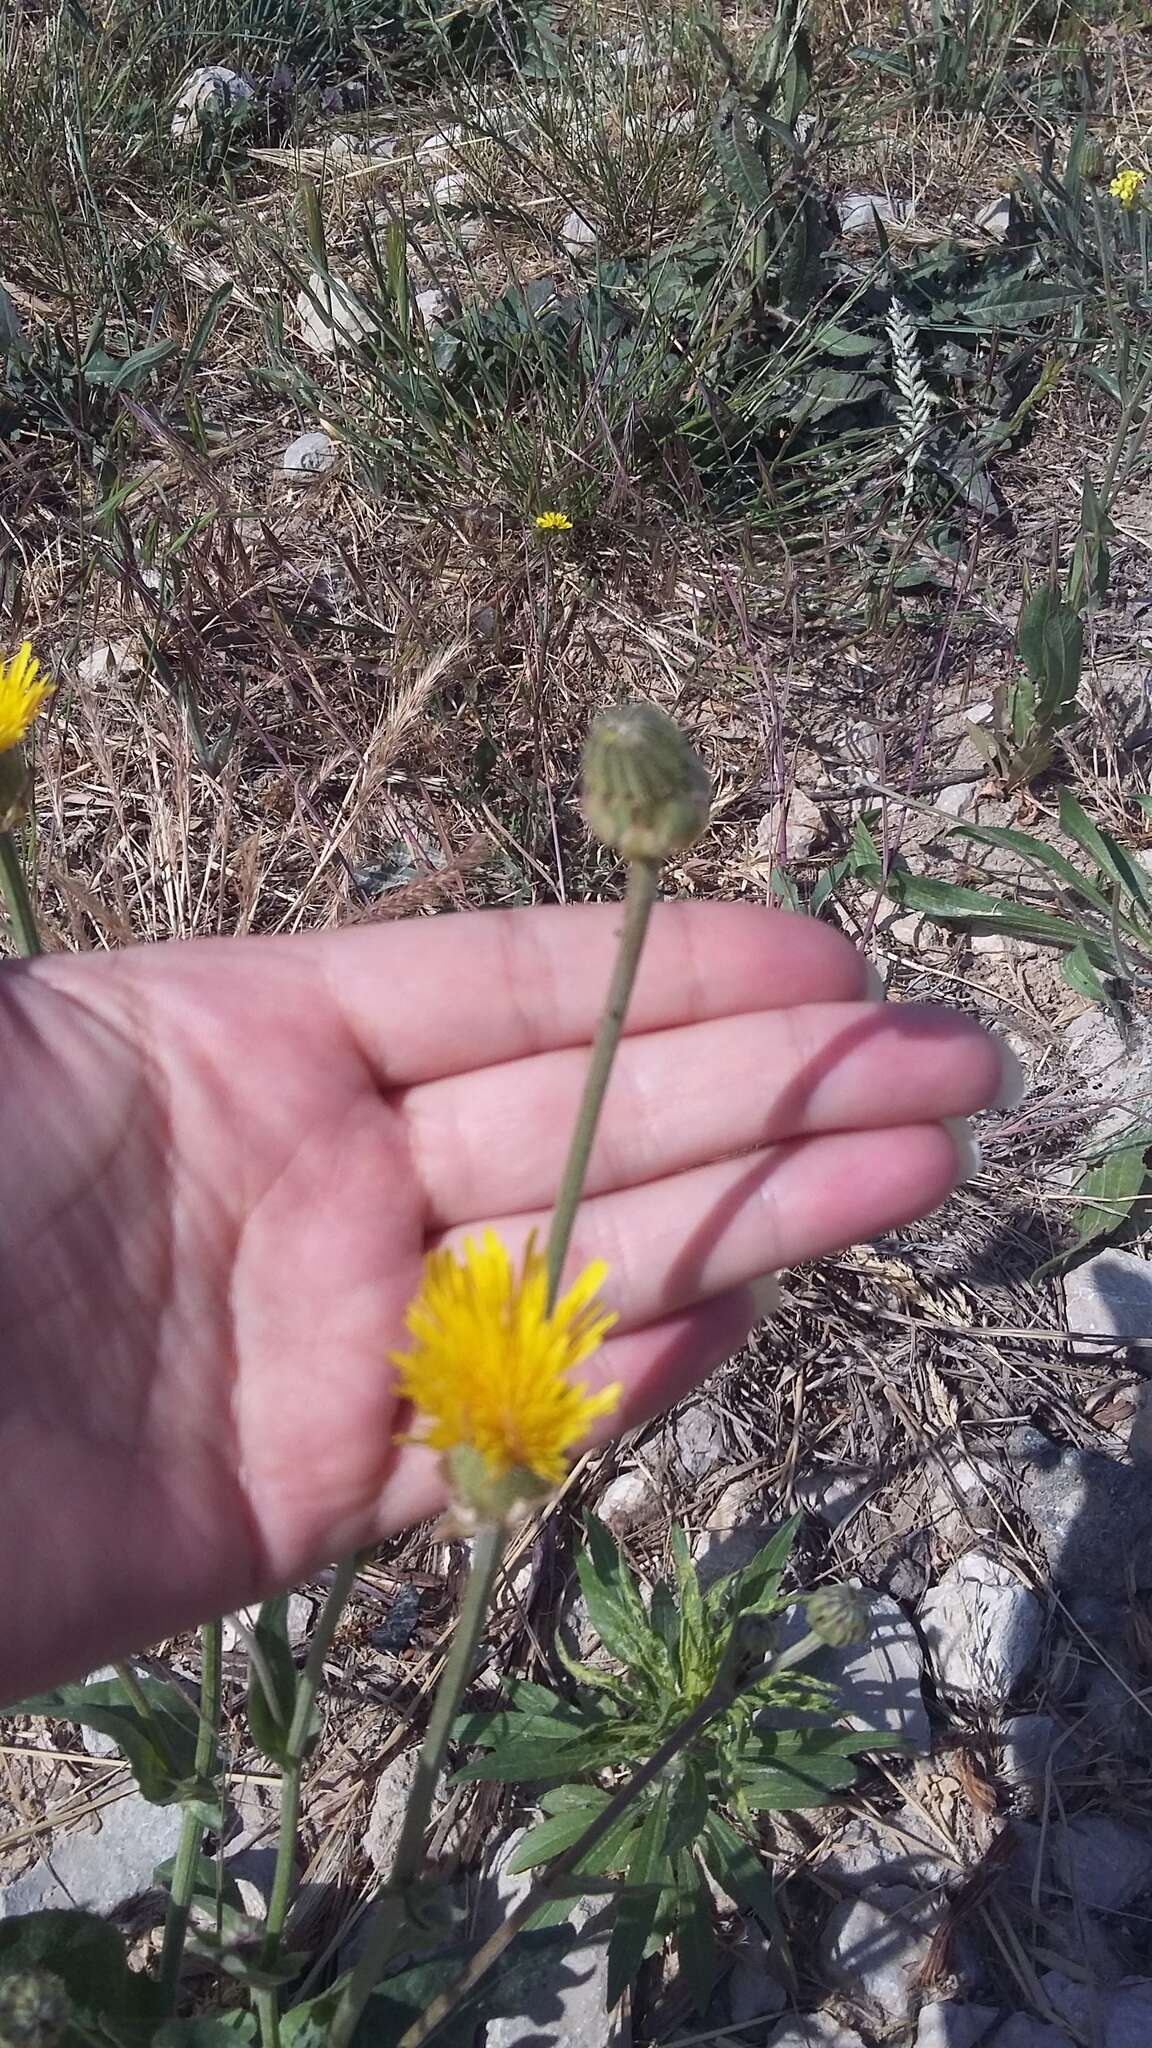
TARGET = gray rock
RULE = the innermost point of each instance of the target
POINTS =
(1127, 2016)
(865, 1853)
(102, 1870)
(947, 2024)
(1101, 1863)
(1093, 1516)
(1106, 1063)
(812, 2030)
(578, 235)
(331, 315)
(858, 211)
(1075, 2004)
(94, 1740)
(1112, 1721)
(983, 1628)
(626, 1500)
(1022, 2031)
(455, 188)
(796, 822)
(994, 219)
(1026, 1745)
(833, 1491)
(566, 2004)
(956, 799)
(874, 1948)
(386, 1816)
(699, 1439)
(877, 1680)
(209, 95)
(738, 1526)
(308, 456)
(301, 1612)
(1108, 1298)
(754, 1994)
(434, 306)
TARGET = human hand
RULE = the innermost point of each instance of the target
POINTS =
(224, 1161)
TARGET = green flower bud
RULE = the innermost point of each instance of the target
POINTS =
(1093, 162)
(645, 790)
(35, 2009)
(837, 1614)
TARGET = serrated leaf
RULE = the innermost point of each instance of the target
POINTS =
(615, 1608)
(160, 1746)
(636, 1912)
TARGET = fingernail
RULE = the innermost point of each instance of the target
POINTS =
(765, 1294)
(1013, 1080)
(968, 1155)
(875, 986)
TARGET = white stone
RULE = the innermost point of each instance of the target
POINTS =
(956, 799)
(1027, 1742)
(947, 2024)
(812, 2030)
(236, 1628)
(983, 1629)
(740, 1524)
(565, 2001)
(626, 1500)
(308, 456)
(111, 658)
(1108, 1298)
(803, 823)
(864, 1852)
(875, 1948)
(440, 147)
(834, 1491)
(994, 218)
(211, 93)
(578, 235)
(699, 1439)
(98, 1871)
(331, 315)
(386, 1816)
(434, 306)
(453, 189)
(858, 210)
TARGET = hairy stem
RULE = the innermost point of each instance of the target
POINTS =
(390, 1914)
(191, 1826)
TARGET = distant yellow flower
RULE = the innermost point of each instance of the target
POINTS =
(21, 696)
(552, 522)
(1126, 187)
(488, 1369)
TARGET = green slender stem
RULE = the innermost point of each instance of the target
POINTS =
(643, 882)
(391, 1911)
(191, 1826)
(716, 1701)
(14, 887)
(138, 1697)
(292, 1773)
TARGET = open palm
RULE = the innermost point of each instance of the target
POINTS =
(223, 1163)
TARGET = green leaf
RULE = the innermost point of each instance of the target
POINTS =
(84, 1951)
(272, 1683)
(1041, 855)
(755, 1587)
(160, 1746)
(1109, 856)
(214, 1890)
(742, 1873)
(697, 1651)
(636, 1912)
(688, 1803)
(950, 904)
(1110, 1191)
(207, 2030)
(695, 1932)
(611, 1853)
(520, 1762)
(615, 1608)
(551, 1837)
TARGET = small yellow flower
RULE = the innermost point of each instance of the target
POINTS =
(488, 1369)
(21, 696)
(552, 522)
(1126, 187)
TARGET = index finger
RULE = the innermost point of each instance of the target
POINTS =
(450, 994)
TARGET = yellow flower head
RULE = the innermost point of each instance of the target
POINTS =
(488, 1368)
(552, 522)
(21, 696)
(1126, 187)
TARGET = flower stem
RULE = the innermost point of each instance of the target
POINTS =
(291, 1778)
(14, 887)
(390, 1914)
(191, 1825)
(643, 882)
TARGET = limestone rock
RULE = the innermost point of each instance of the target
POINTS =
(983, 1629)
(209, 95)
(308, 456)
